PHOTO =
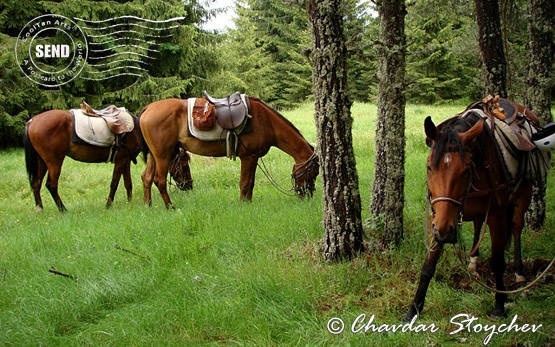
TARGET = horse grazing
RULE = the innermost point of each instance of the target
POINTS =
(48, 140)
(467, 182)
(164, 125)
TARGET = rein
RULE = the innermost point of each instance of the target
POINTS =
(297, 173)
(276, 185)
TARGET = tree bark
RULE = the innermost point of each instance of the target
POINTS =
(490, 41)
(342, 207)
(389, 174)
(541, 25)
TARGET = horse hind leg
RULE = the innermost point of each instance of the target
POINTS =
(52, 185)
(36, 184)
(517, 226)
(160, 179)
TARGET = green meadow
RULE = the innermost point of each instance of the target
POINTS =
(216, 271)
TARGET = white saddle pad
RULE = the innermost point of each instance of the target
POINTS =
(95, 131)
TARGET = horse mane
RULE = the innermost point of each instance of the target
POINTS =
(275, 112)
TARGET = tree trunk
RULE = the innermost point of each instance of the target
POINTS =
(342, 207)
(490, 41)
(540, 32)
(389, 173)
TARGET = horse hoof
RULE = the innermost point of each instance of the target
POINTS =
(473, 265)
(519, 278)
(497, 314)
(408, 317)
(38, 209)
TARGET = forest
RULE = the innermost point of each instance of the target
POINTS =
(266, 55)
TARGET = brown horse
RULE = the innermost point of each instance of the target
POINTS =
(48, 140)
(466, 183)
(164, 125)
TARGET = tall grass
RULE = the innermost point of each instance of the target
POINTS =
(216, 271)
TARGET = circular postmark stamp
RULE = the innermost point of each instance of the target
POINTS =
(51, 50)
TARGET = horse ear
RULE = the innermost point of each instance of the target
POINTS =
(468, 136)
(431, 131)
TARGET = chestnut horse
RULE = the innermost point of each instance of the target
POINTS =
(48, 140)
(164, 125)
(466, 183)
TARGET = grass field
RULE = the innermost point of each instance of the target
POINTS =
(216, 271)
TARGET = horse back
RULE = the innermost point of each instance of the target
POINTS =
(50, 129)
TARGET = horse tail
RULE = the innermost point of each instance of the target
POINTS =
(31, 156)
(144, 146)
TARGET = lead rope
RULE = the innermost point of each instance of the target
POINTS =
(459, 251)
(276, 185)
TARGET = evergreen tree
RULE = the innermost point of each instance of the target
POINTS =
(442, 60)
(177, 63)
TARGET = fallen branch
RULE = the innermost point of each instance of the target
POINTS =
(56, 272)
(132, 252)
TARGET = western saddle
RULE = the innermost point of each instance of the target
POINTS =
(231, 111)
(110, 114)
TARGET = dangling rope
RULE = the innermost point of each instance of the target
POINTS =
(266, 172)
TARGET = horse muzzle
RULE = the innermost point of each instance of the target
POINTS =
(185, 185)
(445, 233)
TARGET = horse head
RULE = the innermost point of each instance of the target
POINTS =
(449, 174)
(304, 176)
(180, 170)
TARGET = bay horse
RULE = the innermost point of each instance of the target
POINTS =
(164, 125)
(48, 140)
(465, 183)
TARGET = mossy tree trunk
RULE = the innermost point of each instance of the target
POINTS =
(389, 174)
(541, 26)
(490, 41)
(341, 197)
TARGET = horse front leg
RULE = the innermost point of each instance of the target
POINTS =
(426, 274)
(475, 252)
(498, 232)
(127, 181)
(248, 173)
(116, 176)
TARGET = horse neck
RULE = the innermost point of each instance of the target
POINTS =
(285, 136)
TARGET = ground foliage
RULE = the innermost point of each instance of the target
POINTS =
(216, 271)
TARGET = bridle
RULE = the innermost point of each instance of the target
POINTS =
(305, 169)
(469, 173)
(177, 169)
